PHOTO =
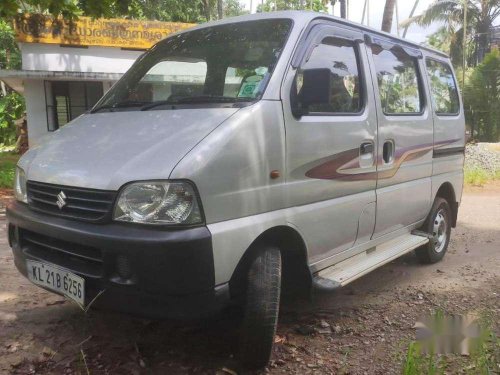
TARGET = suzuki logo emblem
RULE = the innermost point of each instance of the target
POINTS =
(61, 200)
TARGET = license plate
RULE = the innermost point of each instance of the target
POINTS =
(57, 279)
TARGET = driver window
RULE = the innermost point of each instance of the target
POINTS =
(340, 57)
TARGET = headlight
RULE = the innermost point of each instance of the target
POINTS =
(158, 202)
(20, 186)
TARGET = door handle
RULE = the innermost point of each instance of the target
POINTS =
(366, 155)
(388, 151)
(366, 148)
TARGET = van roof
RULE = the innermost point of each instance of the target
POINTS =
(303, 18)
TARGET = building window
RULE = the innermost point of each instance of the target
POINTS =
(398, 81)
(67, 100)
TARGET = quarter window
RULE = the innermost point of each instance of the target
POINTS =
(398, 81)
(340, 56)
(444, 91)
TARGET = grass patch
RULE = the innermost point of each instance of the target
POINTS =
(479, 176)
(484, 357)
(8, 162)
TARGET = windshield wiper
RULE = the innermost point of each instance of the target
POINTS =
(124, 104)
(195, 99)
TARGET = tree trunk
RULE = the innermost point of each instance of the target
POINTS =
(219, 9)
(343, 9)
(483, 31)
(388, 15)
(206, 8)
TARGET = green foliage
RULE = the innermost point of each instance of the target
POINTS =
(10, 57)
(475, 176)
(482, 99)
(66, 8)
(8, 162)
(484, 353)
(270, 5)
(11, 108)
(479, 177)
(160, 10)
(481, 15)
(450, 41)
(233, 8)
(418, 363)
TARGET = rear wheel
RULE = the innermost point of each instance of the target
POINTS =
(438, 225)
(261, 309)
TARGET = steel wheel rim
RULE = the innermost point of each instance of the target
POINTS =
(440, 231)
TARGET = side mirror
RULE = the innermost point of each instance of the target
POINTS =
(315, 88)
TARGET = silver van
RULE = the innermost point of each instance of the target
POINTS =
(286, 151)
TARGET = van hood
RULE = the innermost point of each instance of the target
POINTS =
(107, 150)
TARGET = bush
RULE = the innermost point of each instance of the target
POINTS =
(11, 109)
(482, 99)
(8, 163)
(479, 176)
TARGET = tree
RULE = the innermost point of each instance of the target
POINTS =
(388, 15)
(447, 40)
(10, 56)
(66, 8)
(481, 15)
(171, 10)
(482, 99)
(220, 13)
(233, 8)
(11, 103)
(271, 5)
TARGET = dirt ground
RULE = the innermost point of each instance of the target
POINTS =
(363, 329)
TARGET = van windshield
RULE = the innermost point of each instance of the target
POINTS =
(221, 64)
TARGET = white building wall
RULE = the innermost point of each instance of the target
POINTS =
(36, 111)
(52, 57)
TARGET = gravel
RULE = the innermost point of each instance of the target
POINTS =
(483, 156)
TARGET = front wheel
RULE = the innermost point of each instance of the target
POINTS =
(261, 309)
(438, 225)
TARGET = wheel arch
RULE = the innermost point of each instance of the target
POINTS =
(447, 192)
(296, 275)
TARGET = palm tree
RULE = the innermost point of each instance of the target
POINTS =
(220, 12)
(388, 14)
(481, 15)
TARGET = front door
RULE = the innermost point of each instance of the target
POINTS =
(405, 136)
(330, 145)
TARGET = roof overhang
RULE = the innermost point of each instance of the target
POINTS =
(15, 78)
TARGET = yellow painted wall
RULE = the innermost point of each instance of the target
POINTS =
(94, 32)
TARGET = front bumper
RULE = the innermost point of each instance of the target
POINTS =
(145, 271)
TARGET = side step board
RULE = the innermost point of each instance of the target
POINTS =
(352, 268)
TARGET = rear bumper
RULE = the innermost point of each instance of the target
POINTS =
(142, 270)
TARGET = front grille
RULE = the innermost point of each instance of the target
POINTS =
(82, 259)
(79, 203)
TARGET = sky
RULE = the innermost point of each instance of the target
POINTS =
(355, 11)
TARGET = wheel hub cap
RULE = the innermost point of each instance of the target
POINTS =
(439, 231)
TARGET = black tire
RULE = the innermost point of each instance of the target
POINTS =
(435, 249)
(261, 308)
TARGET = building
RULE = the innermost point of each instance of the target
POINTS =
(67, 66)
(495, 37)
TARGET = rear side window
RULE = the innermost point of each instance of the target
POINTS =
(340, 56)
(444, 90)
(398, 81)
